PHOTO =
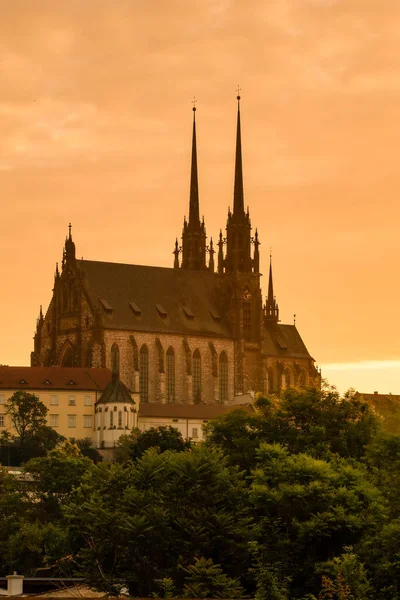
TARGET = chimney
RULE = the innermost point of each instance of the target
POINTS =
(375, 392)
(14, 584)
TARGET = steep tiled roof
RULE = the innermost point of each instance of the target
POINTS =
(188, 411)
(283, 340)
(156, 299)
(54, 378)
(116, 391)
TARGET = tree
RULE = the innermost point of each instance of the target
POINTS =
(133, 446)
(28, 416)
(204, 579)
(306, 511)
(134, 524)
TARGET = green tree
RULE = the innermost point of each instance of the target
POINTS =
(307, 510)
(28, 416)
(204, 579)
(133, 446)
(137, 523)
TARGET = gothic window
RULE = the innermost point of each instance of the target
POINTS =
(196, 376)
(68, 357)
(144, 374)
(246, 317)
(111, 419)
(288, 379)
(114, 358)
(120, 419)
(271, 381)
(302, 379)
(170, 375)
(223, 377)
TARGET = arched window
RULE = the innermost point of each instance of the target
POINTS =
(223, 377)
(67, 359)
(111, 419)
(246, 318)
(170, 375)
(288, 378)
(144, 374)
(196, 379)
(271, 381)
(302, 379)
(114, 358)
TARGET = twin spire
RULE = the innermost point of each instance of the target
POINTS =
(239, 256)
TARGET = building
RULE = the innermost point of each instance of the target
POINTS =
(386, 407)
(93, 403)
(70, 395)
(195, 333)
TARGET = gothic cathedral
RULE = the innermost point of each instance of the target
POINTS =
(194, 333)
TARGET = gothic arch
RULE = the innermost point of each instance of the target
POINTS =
(223, 377)
(170, 375)
(288, 378)
(303, 378)
(67, 356)
(196, 376)
(271, 381)
(114, 358)
(144, 374)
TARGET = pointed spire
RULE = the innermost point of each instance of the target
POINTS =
(176, 253)
(194, 214)
(270, 281)
(238, 194)
(271, 309)
(212, 252)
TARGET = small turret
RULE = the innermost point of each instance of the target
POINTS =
(271, 309)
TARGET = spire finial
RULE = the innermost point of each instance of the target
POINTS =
(70, 229)
(238, 194)
(239, 89)
(294, 319)
(194, 107)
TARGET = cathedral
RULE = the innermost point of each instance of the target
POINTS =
(198, 332)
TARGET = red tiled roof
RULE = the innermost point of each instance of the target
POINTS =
(54, 378)
(188, 411)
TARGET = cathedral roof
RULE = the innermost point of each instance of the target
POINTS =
(283, 340)
(189, 411)
(156, 299)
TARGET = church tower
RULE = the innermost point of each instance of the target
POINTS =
(194, 233)
(240, 271)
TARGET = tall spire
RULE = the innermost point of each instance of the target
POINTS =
(271, 309)
(194, 232)
(194, 214)
(238, 194)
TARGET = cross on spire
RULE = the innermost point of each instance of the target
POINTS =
(239, 89)
(194, 101)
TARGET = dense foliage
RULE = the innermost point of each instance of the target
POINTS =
(296, 500)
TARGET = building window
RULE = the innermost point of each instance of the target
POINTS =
(87, 421)
(120, 419)
(53, 400)
(223, 377)
(87, 401)
(196, 376)
(1, 420)
(53, 420)
(246, 317)
(71, 400)
(144, 374)
(302, 379)
(111, 419)
(271, 381)
(71, 420)
(288, 381)
(195, 433)
(2, 399)
(170, 375)
(114, 358)
(88, 358)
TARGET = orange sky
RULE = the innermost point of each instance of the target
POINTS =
(95, 122)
